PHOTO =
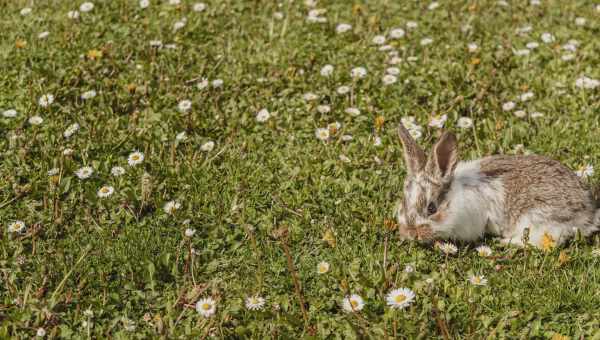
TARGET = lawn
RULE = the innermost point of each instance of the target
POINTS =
(171, 169)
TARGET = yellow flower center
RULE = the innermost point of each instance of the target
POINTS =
(205, 306)
(399, 298)
(354, 303)
(104, 190)
(135, 157)
(476, 279)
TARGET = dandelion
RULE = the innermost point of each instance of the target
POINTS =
(189, 232)
(171, 207)
(464, 122)
(352, 111)
(438, 121)
(73, 15)
(508, 106)
(547, 37)
(16, 227)
(358, 72)
(263, 115)
(309, 96)
(206, 307)
(84, 172)
(322, 134)
(86, 7)
(25, 11)
(378, 40)
(526, 96)
(88, 95)
(547, 242)
(135, 158)
(447, 248)
(587, 83)
(105, 191)
(46, 100)
(472, 47)
(323, 267)
(117, 171)
(35, 120)
(327, 70)
(343, 89)
(389, 79)
(255, 302)
(323, 108)
(478, 280)
(199, 7)
(400, 298)
(71, 130)
(426, 41)
(585, 171)
(397, 33)
(343, 28)
(184, 106)
(208, 146)
(353, 303)
(484, 251)
(11, 113)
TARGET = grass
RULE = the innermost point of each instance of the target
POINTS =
(270, 201)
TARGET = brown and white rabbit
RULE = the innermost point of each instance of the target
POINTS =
(499, 195)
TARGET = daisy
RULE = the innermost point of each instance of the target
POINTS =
(596, 252)
(25, 11)
(73, 15)
(323, 108)
(117, 171)
(46, 100)
(397, 33)
(144, 4)
(255, 302)
(502, 3)
(580, 21)
(585, 171)
(263, 115)
(16, 227)
(464, 122)
(409, 269)
(389, 79)
(472, 47)
(532, 45)
(181, 137)
(278, 15)
(478, 280)
(447, 248)
(88, 94)
(395, 61)
(322, 134)
(358, 72)
(171, 207)
(411, 24)
(377, 141)
(208, 146)
(547, 37)
(184, 106)
(535, 2)
(378, 40)
(68, 151)
(587, 83)
(323, 267)
(71, 130)
(217, 83)
(105, 191)
(508, 106)
(400, 298)
(484, 251)
(206, 307)
(426, 41)
(85, 172)
(189, 232)
(11, 113)
(393, 71)
(199, 7)
(309, 96)
(353, 303)
(343, 28)
(438, 121)
(86, 7)
(53, 172)
(40, 333)
(178, 25)
(526, 96)
(174, 2)
(327, 70)
(352, 111)
(35, 120)
(343, 89)
(135, 158)
(43, 35)
(569, 47)
(347, 138)
(524, 29)
(520, 113)
(433, 6)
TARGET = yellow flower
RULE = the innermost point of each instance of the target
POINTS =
(475, 61)
(94, 54)
(20, 43)
(548, 242)
(557, 336)
(563, 258)
(379, 121)
(329, 237)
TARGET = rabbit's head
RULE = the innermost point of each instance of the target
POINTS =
(428, 180)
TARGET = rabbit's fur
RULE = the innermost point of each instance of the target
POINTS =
(498, 195)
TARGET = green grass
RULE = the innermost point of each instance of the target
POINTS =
(127, 261)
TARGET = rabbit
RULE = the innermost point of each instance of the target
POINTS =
(501, 195)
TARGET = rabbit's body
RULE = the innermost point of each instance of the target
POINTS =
(498, 195)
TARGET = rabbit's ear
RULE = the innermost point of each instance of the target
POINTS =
(414, 156)
(444, 157)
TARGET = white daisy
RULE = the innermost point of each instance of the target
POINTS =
(447, 248)
(327, 70)
(358, 72)
(585, 171)
(189, 232)
(105, 191)
(524, 29)
(35, 120)
(478, 280)
(394, 60)
(536, 115)
(117, 171)
(400, 298)
(347, 138)
(40, 333)
(426, 41)
(567, 57)
(580, 21)
(263, 115)
(171, 207)
(174, 2)
(596, 252)
(322, 133)
(71, 130)
(255, 302)
(323, 108)
(569, 47)
(278, 15)
(343, 28)
(16, 227)
(547, 37)
(526, 96)
(389, 79)
(199, 7)
(135, 158)
(535, 2)
(179, 25)
(73, 15)
(217, 83)
(343, 89)
(411, 24)
(184, 106)
(377, 141)
(520, 113)
(532, 45)
(433, 6)
(484, 251)
(43, 35)
(11, 113)
(393, 71)
(352, 111)
(409, 269)
(53, 172)
(353, 303)
(323, 267)
(397, 33)
(144, 4)
(378, 40)
(508, 106)
(587, 83)
(46, 100)
(25, 11)
(438, 121)
(68, 151)
(86, 7)
(309, 96)
(88, 94)
(464, 122)
(472, 47)
(208, 146)
(84, 172)
(206, 307)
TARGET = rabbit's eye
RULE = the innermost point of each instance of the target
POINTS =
(431, 209)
